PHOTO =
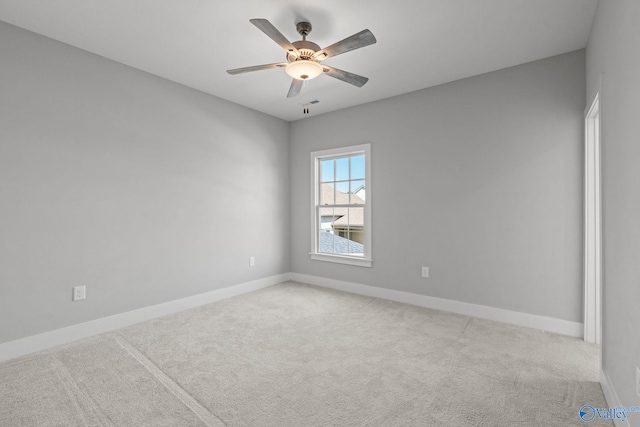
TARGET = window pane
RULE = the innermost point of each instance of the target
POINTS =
(326, 244)
(336, 243)
(327, 217)
(327, 194)
(357, 167)
(348, 231)
(342, 169)
(326, 170)
(342, 193)
(357, 192)
(356, 224)
(326, 236)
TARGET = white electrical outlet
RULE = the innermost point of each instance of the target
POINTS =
(79, 293)
(638, 381)
(252, 261)
(425, 271)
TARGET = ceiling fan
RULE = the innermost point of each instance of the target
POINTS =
(304, 57)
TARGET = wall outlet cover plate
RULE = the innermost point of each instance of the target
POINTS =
(79, 293)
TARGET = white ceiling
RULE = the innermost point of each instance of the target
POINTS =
(421, 43)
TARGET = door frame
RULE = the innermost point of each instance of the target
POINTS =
(593, 223)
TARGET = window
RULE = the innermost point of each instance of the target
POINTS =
(341, 205)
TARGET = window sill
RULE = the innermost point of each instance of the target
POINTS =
(360, 262)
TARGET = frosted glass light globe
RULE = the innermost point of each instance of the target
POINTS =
(304, 69)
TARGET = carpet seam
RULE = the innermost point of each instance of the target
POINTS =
(210, 419)
(81, 400)
(74, 399)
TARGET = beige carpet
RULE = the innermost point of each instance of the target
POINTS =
(298, 355)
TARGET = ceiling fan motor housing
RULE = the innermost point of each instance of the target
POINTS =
(306, 49)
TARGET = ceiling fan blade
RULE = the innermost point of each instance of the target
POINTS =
(295, 88)
(275, 35)
(256, 68)
(356, 41)
(345, 76)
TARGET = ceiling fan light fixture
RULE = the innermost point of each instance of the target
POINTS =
(304, 69)
(304, 56)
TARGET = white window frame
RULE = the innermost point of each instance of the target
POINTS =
(316, 157)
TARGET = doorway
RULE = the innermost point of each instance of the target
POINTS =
(592, 219)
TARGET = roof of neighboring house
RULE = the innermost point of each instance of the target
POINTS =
(334, 244)
(340, 197)
(355, 217)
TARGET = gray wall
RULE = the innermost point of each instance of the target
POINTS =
(613, 52)
(147, 191)
(479, 179)
(141, 189)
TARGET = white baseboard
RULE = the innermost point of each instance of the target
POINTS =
(612, 398)
(31, 344)
(550, 324)
(43, 341)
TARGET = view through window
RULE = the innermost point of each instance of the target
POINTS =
(341, 217)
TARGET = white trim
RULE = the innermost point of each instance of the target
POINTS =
(592, 224)
(327, 154)
(31, 344)
(611, 397)
(550, 324)
(350, 260)
(341, 151)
